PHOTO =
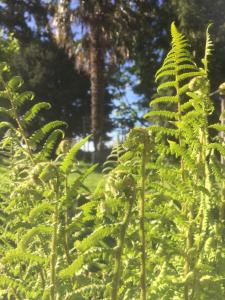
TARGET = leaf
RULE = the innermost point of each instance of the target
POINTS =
(167, 85)
(5, 124)
(15, 83)
(21, 255)
(34, 110)
(40, 209)
(29, 235)
(68, 160)
(162, 113)
(164, 99)
(50, 144)
(41, 133)
(189, 75)
(100, 233)
(23, 97)
(73, 268)
(218, 127)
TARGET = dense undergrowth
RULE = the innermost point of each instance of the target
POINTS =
(152, 229)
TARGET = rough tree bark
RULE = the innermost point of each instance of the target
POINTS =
(97, 56)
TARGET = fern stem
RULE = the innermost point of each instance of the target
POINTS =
(54, 246)
(42, 278)
(142, 227)
(119, 250)
(65, 233)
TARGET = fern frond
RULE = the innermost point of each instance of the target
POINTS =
(112, 160)
(38, 230)
(218, 127)
(189, 75)
(166, 85)
(6, 281)
(164, 99)
(6, 111)
(24, 97)
(164, 130)
(15, 83)
(5, 124)
(69, 158)
(208, 49)
(41, 133)
(95, 237)
(40, 209)
(34, 110)
(50, 143)
(16, 255)
(73, 268)
(217, 146)
(163, 113)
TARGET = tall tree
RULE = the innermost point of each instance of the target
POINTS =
(47, 70)
(110, 37)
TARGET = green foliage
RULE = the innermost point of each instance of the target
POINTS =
(38, 205)
(152, 229)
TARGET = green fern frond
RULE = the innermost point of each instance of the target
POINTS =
(166, 85)
(208, 49)
(6, 281)
(218, 127)
(113, 159)
(73, 268)
(15, 83)
(39, 210)
(89, 171)
(24, 97)
(217, 146)
(186, 105)
(94, 238)
(6, 111)
(34, 110)
(50, 143)
(163, 113)
(184, 89)
(178, 64)
(5, 124)
(41, 133)
(167, 72)
(164, 99)
(189, 75)
(16, 255)
(69, 158)
(30, 234)
(164, 130)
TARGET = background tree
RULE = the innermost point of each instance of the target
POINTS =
(47, 70)
(111, 36)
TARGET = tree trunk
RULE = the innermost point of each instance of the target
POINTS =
(97, 87)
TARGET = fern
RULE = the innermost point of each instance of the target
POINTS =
(208, 49)
(68, 160)
(41, 133)
(31, 113)
(95, 237)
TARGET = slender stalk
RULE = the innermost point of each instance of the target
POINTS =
(119, 251)
(65, 233)
(54, 246)
(142, 228)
